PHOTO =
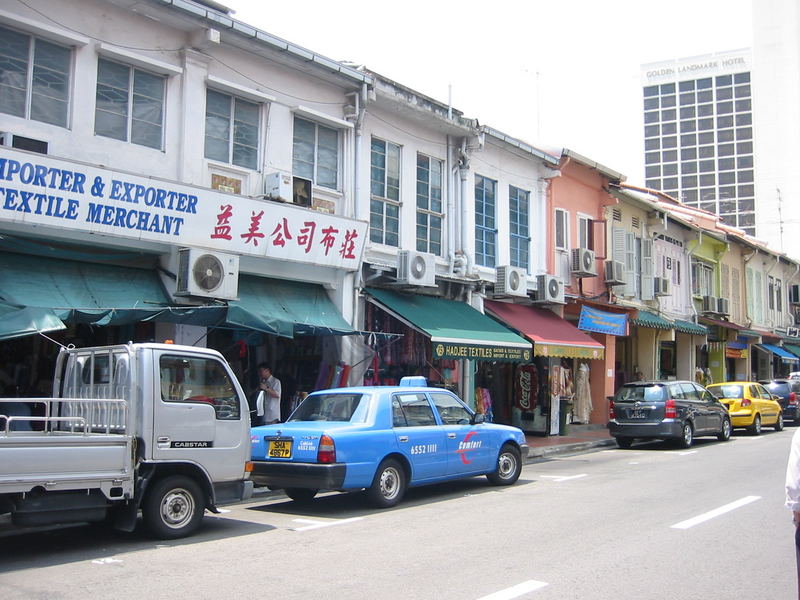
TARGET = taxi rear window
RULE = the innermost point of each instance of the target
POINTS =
(332, 407)
(726, 391)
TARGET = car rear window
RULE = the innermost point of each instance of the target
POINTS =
(332, 407)
(648, 393)
(779, 388)
(726, 391)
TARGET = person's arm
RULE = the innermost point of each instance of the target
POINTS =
(793, 479)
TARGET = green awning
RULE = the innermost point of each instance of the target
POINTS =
(652, 320)
(81, 292)
(456, 329)
(689, 327)
(285, 308)
(793, 348)
(16, 322)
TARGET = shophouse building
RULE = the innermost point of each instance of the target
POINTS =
(171, 173)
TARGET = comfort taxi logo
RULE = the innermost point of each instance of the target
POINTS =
(466, 445)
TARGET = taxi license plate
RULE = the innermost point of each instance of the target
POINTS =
(280, 449)
(638, 413)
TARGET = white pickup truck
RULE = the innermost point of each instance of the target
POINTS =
(160, 428)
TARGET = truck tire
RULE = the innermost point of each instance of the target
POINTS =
(173, 507)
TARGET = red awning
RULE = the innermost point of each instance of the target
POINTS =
(721, 323)
(551, 335)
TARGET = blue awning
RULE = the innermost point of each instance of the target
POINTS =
(778, 351)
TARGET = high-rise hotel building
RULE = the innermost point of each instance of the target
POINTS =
(698, 131)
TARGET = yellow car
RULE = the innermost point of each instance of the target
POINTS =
(750, 405)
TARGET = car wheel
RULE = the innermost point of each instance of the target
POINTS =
(173, 507)
(300, 495)
(388, 485)
(725, 433)
(624, 442)
(779, 423)
(509, 466)
(755, 428)
(687, 437)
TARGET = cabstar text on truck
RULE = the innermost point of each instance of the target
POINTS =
(157, 428)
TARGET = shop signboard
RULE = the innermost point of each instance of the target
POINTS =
(43, 191)
(592, 319)
(481, 352)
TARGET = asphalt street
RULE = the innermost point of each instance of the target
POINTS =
(649, 522)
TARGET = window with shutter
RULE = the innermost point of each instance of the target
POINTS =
(647, 269)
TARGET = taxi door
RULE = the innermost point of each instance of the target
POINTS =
(419, 437)
(469, 448)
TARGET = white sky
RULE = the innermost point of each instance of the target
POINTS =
(555, 73)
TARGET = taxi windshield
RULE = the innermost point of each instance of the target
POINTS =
(332, 407)
(726, 391)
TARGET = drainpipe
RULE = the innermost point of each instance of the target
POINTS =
(463, 171)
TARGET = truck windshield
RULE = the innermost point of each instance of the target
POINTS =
(332, 407)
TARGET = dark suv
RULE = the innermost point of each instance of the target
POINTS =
(676, 410)
(788, 392)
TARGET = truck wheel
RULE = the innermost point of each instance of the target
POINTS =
(173, 507)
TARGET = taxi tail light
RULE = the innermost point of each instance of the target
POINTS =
(611, 414)
(746, 402)
(670, 412)
(793, 398)
(326, 451)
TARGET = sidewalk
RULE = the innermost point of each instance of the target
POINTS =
(579, 438)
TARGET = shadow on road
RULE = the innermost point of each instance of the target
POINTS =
(57, 546)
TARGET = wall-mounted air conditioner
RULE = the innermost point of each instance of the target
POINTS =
(723, 306)
(22, 143)
(710, 304)
(614, 272)
(287, 188)
(583, 263)
(549, 290)
(662, 286)
(416, 268)
(208, 274)
(511, 281)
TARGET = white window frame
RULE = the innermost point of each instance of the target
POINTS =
(585, 233)
(426, 244)
(565, 246)
(298, 114)
(702, 278)
(234, 98)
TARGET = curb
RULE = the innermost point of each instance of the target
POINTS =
(577, 447)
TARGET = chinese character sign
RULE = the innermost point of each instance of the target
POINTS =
(56, 193)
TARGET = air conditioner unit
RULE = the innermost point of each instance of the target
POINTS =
(710, 304)
(549, 290)
(416, 268)
(511, 281)
(301, 191)
(583, 264)
(23, 143)
(794, 294)
(207, 274)
(614, 272)
(278, 186)
(723, 306)
(662, 286)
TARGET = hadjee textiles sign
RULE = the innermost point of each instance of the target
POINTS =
(43, 191)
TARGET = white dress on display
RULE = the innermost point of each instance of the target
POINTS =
(583, 395)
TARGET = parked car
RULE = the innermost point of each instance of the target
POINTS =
(794, 375)
(750, 405)
(670, 410)
(382, 440)
(788, 395)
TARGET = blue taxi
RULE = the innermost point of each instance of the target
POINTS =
(382, 439)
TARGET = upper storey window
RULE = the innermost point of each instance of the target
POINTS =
(231, 130)
(34, 78)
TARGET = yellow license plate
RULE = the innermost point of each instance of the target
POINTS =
(280, 449)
